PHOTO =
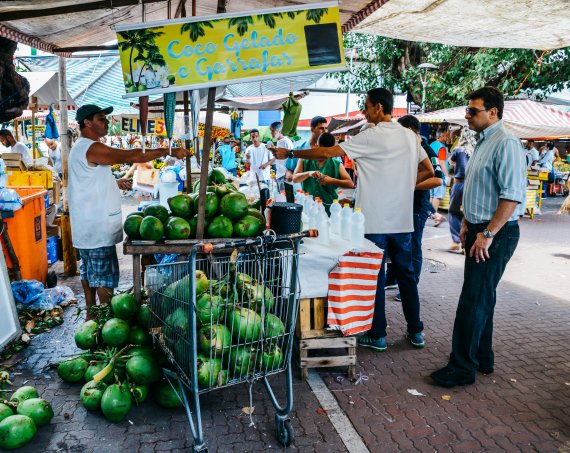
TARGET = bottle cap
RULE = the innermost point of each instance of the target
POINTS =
(346, 205)
(358, 209)
(335, 201)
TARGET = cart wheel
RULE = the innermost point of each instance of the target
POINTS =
(285, 432)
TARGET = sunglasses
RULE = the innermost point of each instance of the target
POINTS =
(472, 111)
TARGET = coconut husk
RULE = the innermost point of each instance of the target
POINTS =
(565, 208)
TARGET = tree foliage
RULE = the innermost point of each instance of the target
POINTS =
(392, 63)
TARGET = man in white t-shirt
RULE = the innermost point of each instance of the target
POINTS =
(95, 201)
(8, 140)
(259, 157)
(391, 161)
(282, 142)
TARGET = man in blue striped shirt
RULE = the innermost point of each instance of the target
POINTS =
(493, 200)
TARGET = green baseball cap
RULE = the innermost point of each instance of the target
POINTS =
(90, 109)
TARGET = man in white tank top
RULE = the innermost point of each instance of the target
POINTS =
(95, 201)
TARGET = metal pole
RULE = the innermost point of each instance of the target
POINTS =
(349, 82)
(69, 257)
(424, 84)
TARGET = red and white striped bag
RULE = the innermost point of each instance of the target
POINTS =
(352, 289)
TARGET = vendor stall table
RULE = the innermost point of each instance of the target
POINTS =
(313, 340)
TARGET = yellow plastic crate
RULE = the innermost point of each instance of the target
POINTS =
(42, 178)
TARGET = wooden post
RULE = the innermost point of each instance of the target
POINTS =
(16, 134)
(69, 257)
(34, 105)
(187, 143)
(205, 162)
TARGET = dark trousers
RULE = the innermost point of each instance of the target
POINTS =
(420, 220)
(455, 215)
(472, 344)
(399, 247)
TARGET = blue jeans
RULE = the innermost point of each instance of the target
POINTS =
(472, 344)
(455, 215)
(399, 247)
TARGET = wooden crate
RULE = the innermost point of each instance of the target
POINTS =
(312, 339)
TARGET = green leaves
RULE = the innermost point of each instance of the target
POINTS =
(393, 64)
(269, 19)
(196, 29)
(242, 24)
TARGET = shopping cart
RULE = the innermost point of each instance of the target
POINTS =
(226, 316)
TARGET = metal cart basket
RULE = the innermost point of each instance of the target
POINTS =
(227, 316)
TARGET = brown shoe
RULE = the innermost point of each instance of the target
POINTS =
(455, 248)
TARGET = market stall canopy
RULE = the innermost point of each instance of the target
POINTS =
(51, 24)
(45, 87)
(524, 118)
(531, 24)
(268, 102)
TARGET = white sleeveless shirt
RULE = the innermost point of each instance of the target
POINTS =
(94, 201)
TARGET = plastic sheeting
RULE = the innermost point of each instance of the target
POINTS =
(528, 24)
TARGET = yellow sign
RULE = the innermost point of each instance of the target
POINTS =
(217, 132)
(154, 126)
(203, 52)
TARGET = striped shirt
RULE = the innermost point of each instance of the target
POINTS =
(496, 170)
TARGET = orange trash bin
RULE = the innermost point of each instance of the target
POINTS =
(27, 233)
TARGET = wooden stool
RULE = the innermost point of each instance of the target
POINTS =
(312, 337)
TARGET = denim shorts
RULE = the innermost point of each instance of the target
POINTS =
(438, 192)
(100, 267)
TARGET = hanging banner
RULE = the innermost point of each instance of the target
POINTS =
(154, 126)
(200, 52)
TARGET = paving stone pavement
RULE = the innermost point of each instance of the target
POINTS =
(524, 406)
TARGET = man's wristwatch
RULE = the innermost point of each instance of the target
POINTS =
(488, 234)
(290, 154)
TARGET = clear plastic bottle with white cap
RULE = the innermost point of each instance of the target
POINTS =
(345, 218)
(335, 210)
(357, 225)
(323, 225)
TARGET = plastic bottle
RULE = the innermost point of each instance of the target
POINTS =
(322, 224)
(357, 223)
(345, 218)
(336, 209)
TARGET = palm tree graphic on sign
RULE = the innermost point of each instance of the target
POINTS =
(143, 42)
(196, 29)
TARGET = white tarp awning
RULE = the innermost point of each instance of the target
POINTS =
(45, 87)
(524, 118)
(529, 24)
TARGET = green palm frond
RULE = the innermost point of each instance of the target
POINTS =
(315, 15)
(291, 14)
(195, 29)
(242, 24)
(269, 19)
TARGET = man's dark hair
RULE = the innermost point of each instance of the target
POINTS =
(6, 133)
(382, 96)
(317, 120)
(491, 98)
(82, 124)
(252, 131)
(530, 141)
(276, 125)
(326, 140)
(410, 122)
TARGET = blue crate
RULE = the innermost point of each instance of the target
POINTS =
(46, 200)
(52, 249)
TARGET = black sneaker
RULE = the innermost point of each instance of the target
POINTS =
(394, 286)
(398, 298)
